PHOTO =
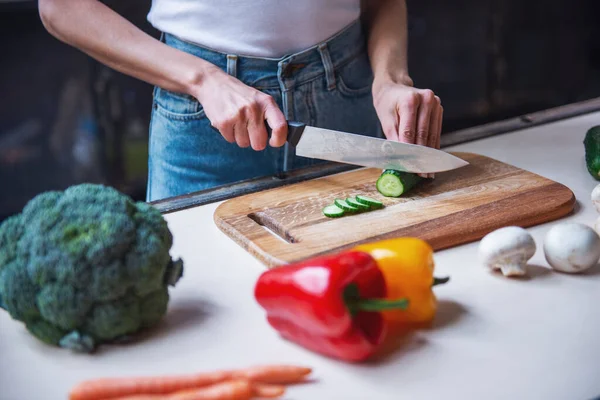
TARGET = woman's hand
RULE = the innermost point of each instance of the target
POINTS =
(239, 111)
(408, 114)
(236, 110)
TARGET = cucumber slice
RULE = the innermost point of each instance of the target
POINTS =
(345, 206)
(333, 211)
(369, 201)
(390, 185)
(393, 183)
(359, 206)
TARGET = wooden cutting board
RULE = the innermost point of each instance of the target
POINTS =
(456, 207)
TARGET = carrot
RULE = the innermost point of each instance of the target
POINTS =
(239, 389)
(110, 388)
(274, 374)
(266, 391)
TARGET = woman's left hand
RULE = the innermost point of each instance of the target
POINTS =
(408, 114)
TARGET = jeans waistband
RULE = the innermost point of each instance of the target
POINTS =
(287, 71)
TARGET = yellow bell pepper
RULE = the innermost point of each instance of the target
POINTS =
(407, 265)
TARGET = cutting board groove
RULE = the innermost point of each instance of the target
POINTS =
(286, 224)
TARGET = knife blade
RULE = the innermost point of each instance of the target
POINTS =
(350, 148)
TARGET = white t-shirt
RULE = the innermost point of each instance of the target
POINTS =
(260, 28)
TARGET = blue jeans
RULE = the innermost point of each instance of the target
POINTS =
(328, 86)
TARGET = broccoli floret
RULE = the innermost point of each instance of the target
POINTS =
(11, 232)
(86, 266)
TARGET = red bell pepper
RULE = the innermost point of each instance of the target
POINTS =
(329, 304)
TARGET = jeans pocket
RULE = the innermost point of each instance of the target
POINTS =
(355, 78)
(177, 106)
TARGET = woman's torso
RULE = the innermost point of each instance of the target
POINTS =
(259, 28)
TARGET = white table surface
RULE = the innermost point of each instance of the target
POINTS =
(495, 338)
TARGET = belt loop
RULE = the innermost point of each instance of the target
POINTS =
(329, 72)
(232, 65)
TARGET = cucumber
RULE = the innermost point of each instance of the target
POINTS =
(345, 206)
(333, 211)
(357, 205)
(350, 206)
(369, 201)
(592, 151)
(392, 183)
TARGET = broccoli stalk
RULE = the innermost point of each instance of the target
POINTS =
(86, 266)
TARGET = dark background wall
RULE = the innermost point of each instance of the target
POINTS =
(65, 119)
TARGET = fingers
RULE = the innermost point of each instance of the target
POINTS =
(233, 129)
(407, 118)
(241, 134)
(389, 124)
(258, 135)
(245, 124)
(226, 130)
(278, 124)
(256, 129)
(254, 115)
(426, 110)
(420, 120)
(268, 110)
(435, 123)
(437, 129)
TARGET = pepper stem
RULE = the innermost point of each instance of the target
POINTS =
(378, 304)
(439, 281)
(355, 303)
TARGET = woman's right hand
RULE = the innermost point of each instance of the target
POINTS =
(239, 111)
(235, 109)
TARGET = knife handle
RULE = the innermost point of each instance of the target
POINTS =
(295, 130)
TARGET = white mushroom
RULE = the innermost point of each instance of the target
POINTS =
(572, 247)
(596, 197)
(507, 249)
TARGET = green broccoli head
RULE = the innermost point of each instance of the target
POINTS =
(86, 266)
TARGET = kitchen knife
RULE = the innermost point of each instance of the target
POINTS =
(349, 148)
